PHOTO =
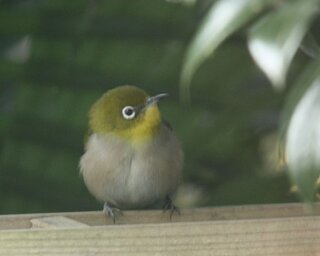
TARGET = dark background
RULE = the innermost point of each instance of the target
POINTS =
(58, 57)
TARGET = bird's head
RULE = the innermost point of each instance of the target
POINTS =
(127, 112)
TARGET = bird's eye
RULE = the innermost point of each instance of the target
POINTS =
(128, 112)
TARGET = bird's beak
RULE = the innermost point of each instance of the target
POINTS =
(154, 99)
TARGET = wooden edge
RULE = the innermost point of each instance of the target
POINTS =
(56, 222)
(290, 236)
(97, 218)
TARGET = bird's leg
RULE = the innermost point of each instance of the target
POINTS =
(111, 211)
(169, 206)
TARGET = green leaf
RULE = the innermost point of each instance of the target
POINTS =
(223, 18)
(310, 46)
(303, 138)
(274, 40)
(296, 93)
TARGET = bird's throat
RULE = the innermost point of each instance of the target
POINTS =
(145, 129)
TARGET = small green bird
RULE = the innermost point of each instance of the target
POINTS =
(132, 158)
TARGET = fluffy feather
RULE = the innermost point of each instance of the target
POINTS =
(132, 175)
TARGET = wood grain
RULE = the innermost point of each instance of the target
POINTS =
(279, 236)
(56, 222)
(97, 218)
(286, 229)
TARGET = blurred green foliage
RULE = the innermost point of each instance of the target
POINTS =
(58, 56)
(277, 31)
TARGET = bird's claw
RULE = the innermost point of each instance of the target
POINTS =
(111, 211)
(169, 206)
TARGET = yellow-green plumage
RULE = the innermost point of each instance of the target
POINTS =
(130, 162)
(105, 115)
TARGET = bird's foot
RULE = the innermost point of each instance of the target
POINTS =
(169, 206)
(111, 211)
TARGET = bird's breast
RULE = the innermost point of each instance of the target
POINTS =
(131, 175)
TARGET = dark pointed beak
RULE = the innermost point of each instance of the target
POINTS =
(154, 99)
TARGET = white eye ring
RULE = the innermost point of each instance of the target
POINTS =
(128, 112)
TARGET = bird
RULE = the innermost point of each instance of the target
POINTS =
(132, 157)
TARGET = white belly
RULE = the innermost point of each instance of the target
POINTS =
(132, 177)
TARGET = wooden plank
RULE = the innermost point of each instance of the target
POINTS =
(155, 216)
(265, 237)
(56, 222)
